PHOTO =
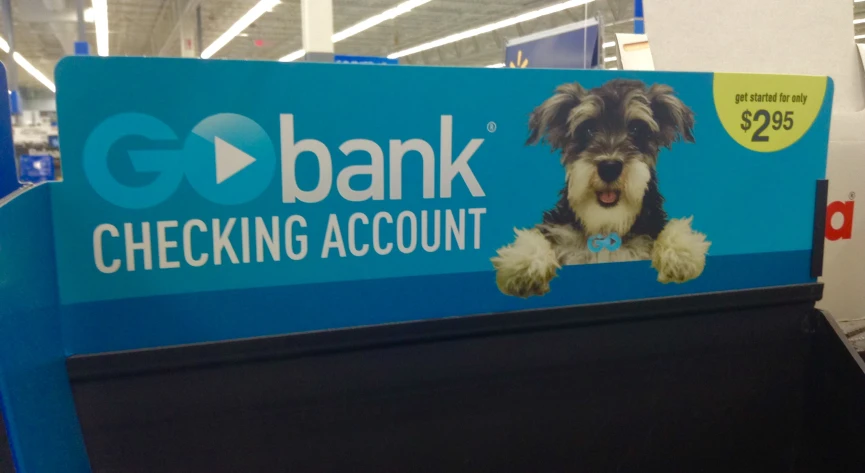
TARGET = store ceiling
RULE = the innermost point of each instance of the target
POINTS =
(859, 14)
(45, 29)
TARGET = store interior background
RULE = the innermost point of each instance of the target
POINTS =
(44, 31)
(784, 36)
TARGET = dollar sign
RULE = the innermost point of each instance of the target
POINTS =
(746, 120)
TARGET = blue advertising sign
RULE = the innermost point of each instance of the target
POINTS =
(572, 46)
(229, 202)
(342, 59)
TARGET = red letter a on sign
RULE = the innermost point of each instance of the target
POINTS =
(846, 229)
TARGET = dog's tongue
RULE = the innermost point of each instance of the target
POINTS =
(608, 197)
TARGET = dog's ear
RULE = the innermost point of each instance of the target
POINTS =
(675, 119)
(549, 121)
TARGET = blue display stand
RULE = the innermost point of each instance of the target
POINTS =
(213, 216)
(8, 172)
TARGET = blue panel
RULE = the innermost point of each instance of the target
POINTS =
(574, 49)
(639, 23)
(343, 59)
(193, 318)
(8, 172)
(82, 48)
(34, 389)
(15, 102)
(36, 168)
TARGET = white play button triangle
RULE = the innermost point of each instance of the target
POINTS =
(229, 160)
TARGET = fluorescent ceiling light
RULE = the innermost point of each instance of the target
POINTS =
(254, 13)
(857, 1)
(859, 21)
(490, 27)
(610, 44)
(390, 14)
(610, 58)
(100, 17)
(612, 68)
(858, 36)
(89, 15)
(496, 66)
(25, 64)
(293, 56)
(364, 25)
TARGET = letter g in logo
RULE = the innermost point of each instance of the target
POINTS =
(227, 158)
(165, 162)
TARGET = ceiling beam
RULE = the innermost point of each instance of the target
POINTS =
(172, 14)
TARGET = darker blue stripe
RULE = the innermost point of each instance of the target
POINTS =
(95, 327)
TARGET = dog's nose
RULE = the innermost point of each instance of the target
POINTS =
(610, 170)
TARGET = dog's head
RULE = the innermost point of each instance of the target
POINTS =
(609, 138)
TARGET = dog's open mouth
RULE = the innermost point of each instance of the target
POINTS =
(608, 198)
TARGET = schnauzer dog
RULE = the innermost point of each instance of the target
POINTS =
(610, 208)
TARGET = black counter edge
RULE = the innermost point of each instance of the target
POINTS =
(83, 368)
(832, 325)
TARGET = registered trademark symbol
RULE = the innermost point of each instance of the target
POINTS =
(491, 127)
(852, 196)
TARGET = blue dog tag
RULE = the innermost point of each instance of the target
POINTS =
(599, 242)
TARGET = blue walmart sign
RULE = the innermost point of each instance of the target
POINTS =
(572, 46)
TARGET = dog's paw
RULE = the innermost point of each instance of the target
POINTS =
(525, 267)
(679, 253)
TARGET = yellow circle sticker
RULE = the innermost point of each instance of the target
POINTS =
(767, 113)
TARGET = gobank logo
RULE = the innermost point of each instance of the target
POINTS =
(229, 159)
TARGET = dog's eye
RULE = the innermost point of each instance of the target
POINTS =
(638, 129)
(587, 131)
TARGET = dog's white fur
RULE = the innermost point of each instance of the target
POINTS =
(583, 184)
(526, 266)
(679, 253)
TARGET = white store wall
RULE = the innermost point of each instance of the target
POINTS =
(796, 37)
